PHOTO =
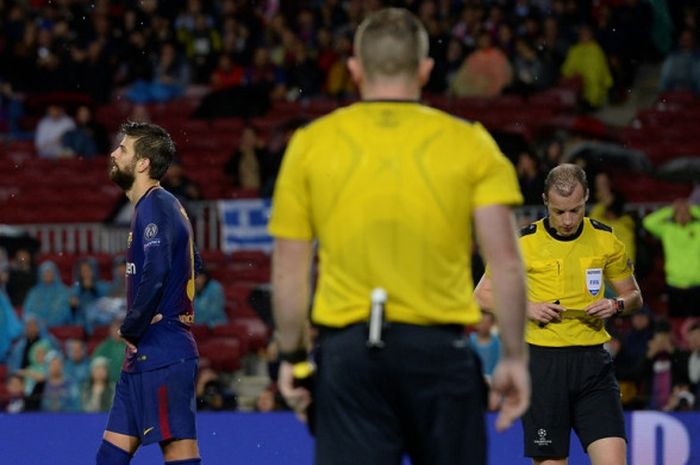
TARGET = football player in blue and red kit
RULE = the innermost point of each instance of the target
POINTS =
(155, 396)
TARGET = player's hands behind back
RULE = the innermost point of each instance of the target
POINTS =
(132, 348)
(510, 384)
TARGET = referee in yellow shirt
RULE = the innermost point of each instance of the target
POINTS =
(569, 259)
(391, 190)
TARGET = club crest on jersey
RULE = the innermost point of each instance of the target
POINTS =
(150, 231)
(594, 280)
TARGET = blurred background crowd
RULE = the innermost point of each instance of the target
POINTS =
(610, 84)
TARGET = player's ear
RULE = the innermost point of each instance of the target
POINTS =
(143, 165)
(544, 199)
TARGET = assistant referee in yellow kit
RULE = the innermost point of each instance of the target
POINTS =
(569, 259)
(392, 190)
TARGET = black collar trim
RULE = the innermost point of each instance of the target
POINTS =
(552, 232)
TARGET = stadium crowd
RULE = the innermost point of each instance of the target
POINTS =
(254, 53)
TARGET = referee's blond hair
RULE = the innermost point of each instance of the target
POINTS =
(564, 178)
(391, 43)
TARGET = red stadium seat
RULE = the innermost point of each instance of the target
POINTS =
(236, 330)
(200, 332)
(224, 353)
(65, 332)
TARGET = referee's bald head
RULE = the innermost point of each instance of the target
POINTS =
(564, 179)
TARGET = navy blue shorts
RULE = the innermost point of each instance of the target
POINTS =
(157, 405)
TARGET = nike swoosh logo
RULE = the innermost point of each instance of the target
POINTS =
(148, 430)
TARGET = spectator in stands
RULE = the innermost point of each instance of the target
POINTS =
(97, 390)
(552, 47)
(209, 301)
(226, 74)
(88, 138)
(694, 359)
(11, 111)
(10, 326)
(630, 360)
(117, 287)
(34, 374)
(269, 400)
(112, 348)
(678, 228)
(170, 77)
(34, 331)
(276, 147)
(180, 185)
(60, 394)
(246, 166)
(486, 343)
(338, 82)
(666, 365)
(50, 131)
(264, 73)
(76, 365)
(15, 400)
(587, 60)
(49, 299)
(86, 290)
(530, 177)
(610, 209)
(22, 276)
(528, 70)
(681, 400)
(484, 73)
(681, 68)
(212, 393)
(202, 43)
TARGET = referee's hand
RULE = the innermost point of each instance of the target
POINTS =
(544, 312)
(510, 386)
(297, 398)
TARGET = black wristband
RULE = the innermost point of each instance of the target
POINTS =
(296, 356)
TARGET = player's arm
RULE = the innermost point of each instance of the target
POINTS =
(157, 264)
(495, 229)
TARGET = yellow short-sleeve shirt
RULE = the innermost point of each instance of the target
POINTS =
(574, 272)
(389, 189)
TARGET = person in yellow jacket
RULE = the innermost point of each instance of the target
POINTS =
(587, 60)
(678, 228)
(569, 259)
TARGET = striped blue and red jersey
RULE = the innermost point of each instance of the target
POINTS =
(160, 274)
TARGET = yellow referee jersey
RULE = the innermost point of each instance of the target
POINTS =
(572, 271)
(389, 189)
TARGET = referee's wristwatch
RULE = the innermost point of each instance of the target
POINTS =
(619, 305)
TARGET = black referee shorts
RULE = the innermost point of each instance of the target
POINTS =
(421, 394)
(572, 387)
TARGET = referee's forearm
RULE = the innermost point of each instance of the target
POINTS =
(291, 265)
(509, 301)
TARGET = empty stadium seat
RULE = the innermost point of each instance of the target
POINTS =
(223, 353)
(66, 332)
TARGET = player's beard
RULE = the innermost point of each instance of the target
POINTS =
(122, 178)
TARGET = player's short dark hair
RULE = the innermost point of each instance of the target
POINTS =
(391, 42)
(564, 178)
(152, 142)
